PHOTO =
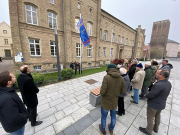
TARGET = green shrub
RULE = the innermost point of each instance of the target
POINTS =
(37, 77)
(67, 73)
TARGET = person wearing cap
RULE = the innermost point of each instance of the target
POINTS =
(137, 82)
(149, 70)
(113, 84)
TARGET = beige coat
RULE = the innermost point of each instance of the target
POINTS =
(138, 79)
(154, 73)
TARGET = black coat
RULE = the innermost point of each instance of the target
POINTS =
(72, 65)
(158, 95)
(131, 71)
(28, 90)
(13, 114)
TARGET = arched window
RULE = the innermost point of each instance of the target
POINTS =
(89, 28)
(31, 14)
(52, 19)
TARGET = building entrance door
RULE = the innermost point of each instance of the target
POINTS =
(120, 53)
(7, 53)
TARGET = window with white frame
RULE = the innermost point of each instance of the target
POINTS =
(90, 11)
(126, 40)
(53, 49)
(78, 49)
(89, 64)
(76, 22)
(105, 35)
(37, 67)
(52, 1)
(111, 52)
(54, 66)
(112, 37)
(5, 41)
(89, 50)
(100, 33)
(31, 15)
(122, 40)
(99, 52)
(52, 20)
(118, 39)
(133, 43)
(104, 62)
(79, 5)
(34, 47)
(104, 51)
(89, 28)
(125, 53)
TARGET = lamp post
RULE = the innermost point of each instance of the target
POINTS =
(57, 52)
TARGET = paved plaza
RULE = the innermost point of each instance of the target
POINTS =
(65, 110)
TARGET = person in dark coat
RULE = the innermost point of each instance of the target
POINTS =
(13, 114)
(166, 65)
(157, 101)
(76, 66)
(132, 69)
(121, 109)
(72, 65)
(29, 93)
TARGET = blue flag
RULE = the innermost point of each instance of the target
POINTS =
(83, 34)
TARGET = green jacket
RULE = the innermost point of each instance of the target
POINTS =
(148, 77)
(113, 84)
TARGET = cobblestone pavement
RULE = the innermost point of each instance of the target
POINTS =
(65, 110)
(7, 65)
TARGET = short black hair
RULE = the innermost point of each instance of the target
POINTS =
(154, 63)
(166, 61)
(4, 78)
(164, 72)
(24, 70)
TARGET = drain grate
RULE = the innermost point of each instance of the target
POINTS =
(91, 81)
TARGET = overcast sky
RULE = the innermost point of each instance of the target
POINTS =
(134, 13)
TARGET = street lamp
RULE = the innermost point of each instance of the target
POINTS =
(57, 52)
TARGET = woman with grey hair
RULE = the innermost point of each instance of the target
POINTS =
(121, 109)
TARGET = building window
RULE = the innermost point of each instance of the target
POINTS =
(52, 1)
(76, 22)
(133, 43)
(89, 64)
(31, 15)
(77, 49)
(37, 67)
(52, 20)
(34, 47)
(112, 38)
(54, 66)
(79, 5)
(104, 51)
(103, 62)
(100, 33)
(5, 31)
(118, 39)
(126, 40)
(90, 11)
(122, 40)
(6, 41)
(125, 53)
(99, 51)
(106, 24)
(105, 35)
(111, 52)
(53, 48)
(89, 51)
(89, 29)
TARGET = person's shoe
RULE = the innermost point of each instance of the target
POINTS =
(102, 131)
(37, 123)
(111, 132)
(144, 131)
(118, 113)
(132, 97)
(132, 101)
(155, 131)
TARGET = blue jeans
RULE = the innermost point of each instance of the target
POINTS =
(136, 95)
(104, 114)
(18, 132)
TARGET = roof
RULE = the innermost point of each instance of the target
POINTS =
(172, 41)
(4, 23)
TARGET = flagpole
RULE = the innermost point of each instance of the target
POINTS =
(80, 47)
(110, 46)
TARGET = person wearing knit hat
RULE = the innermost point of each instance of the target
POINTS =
(113, 84)
(137, 82)
(147, 80)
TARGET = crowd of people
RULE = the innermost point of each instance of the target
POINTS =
(123, 77)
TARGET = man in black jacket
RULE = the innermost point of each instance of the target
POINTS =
(29, 93)
(13, 114)
(157, 101)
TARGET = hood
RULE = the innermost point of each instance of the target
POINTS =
(6, 89)
(114, 72)
(126, 77)
(170, 65)
(150, 67)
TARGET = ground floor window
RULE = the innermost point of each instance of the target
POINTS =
(54, 66)
(37, 67)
